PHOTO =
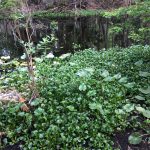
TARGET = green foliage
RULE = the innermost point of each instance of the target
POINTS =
(141, 9)
(135, 138)
(140, 34)
(19, 78)
(8, 3)
(46, 44)
(9, 9)
(116, 29)
(84, 99)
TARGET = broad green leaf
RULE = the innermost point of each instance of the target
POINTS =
(41, 136)
(23, 56)
(35, 102)
(129, 85)
(71, 108)
(64, 56)
(72, 64)
(146, 113)
(138, 97)
(135, 138)
(96, 106)
(21, 114)
(104, 73)
(82, 87)
(22, 69)
(147, 121)
(15, 62)
(123, 80)
(128, 107)
(91, 93)
(144, 74)
(117, 76)
(85, 72)
(109, 79)
(50, 56)
(39, 111)
(90, 70)
(145, 91)
(120, 111)
(139, 63)
(82, 73)
(39, 60)
(140, 109)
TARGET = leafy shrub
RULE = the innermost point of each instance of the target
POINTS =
(85, 99)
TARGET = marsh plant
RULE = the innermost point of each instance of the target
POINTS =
(84, 100)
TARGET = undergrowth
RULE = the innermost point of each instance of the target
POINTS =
(84, 100)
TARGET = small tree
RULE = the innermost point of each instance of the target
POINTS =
(15, 7)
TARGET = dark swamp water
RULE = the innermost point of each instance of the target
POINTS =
(72, 33)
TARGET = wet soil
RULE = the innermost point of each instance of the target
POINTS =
(121, 142)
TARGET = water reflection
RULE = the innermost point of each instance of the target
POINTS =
(72, 33)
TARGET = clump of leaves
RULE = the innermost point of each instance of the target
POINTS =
(85, 99)
(135, 138)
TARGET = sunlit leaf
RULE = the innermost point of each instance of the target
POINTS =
(22, 69)
(128, 107)
(5, 57)
(104, 73)
(123, 80)
(21, 114)
(146, 113)
(23, 56)
(35, 102)
(117, 76)
(91, 93)
(140, 109)
(86, 72)
(50, 55)
(129, 85)
(39, 60)
(96, 106)
(71, 108)
(65, 56)
(82, 87)
(109, 79)
(39, 111)
(120, 111)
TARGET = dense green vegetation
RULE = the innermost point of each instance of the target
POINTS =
(134, 10)
(13, 9)
(84, 100)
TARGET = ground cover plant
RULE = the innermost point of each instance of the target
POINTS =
(85, 98)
